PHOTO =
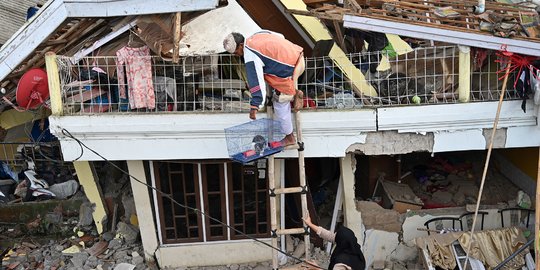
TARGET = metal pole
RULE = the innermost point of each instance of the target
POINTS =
(522, 248)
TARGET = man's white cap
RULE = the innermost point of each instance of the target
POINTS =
(229, 44)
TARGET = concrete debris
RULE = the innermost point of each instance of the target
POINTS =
(299, 250)
(289, 244)
(124, 266)
(377, 218)
(46, 252)
(64, 190)
(129, 206)
(377, 265)
(127, 232)
(85, 214)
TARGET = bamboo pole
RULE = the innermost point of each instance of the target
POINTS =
(486, 165)
(303, 183)
(273, 204)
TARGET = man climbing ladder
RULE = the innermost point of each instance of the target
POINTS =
(272, 59)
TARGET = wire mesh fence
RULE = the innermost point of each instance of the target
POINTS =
(217, 83)
(17, 154)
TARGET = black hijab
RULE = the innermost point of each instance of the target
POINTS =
(347, 250)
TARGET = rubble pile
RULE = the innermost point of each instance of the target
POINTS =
(450, 183)
(81, 251)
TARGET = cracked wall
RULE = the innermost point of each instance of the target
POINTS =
(393, 142)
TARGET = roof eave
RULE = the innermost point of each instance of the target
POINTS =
(54, 13)
(443, 35)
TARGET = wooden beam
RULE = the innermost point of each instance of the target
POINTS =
(339, 35)
(103, 41)
(320, 15)
(352, 4)
(176, 36)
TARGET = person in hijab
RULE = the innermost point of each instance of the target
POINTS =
(347, 254)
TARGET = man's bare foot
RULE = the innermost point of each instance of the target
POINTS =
(288, 140)
(298, 100)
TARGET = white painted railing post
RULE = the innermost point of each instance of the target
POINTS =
(54, 83)
(464, 88)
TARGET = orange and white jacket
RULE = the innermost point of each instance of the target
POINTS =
(269, 57)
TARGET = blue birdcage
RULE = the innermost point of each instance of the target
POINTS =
(254, 140)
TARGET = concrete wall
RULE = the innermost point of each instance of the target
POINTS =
(399, 130)
(213, 253)
(526, 159)
(515, 173)
(400, 246)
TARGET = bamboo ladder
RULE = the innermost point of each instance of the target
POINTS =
(276, 231)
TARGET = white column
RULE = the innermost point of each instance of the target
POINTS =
(464, 88)
(353, 219)
(143, 206)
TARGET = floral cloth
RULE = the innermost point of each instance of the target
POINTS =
(138, 71)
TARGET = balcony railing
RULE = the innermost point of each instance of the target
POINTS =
(216, 83)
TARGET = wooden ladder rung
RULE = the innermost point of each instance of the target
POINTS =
(289, 190)
(291, 231)
(292, 147)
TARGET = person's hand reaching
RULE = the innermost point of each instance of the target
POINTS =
(307, 220)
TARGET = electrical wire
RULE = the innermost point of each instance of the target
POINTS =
(66, 133)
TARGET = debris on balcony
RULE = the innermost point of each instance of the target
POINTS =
(504, 19)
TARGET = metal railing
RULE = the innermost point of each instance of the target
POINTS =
(217, 83)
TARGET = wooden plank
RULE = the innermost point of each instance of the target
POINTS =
(112, 35)
(176, 36)
(352, 4)
(95, 108)
(339, 35)
(85, 96)
(470, 5)
(320, 15)
(310, 2)
(426, 18)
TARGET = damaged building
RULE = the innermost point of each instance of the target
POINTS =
(400, 100)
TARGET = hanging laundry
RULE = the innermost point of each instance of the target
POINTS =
(138, 72)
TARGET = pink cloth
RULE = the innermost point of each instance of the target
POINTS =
(138, 67)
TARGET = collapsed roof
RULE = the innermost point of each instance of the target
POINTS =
(509, 24)
(78, 27)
